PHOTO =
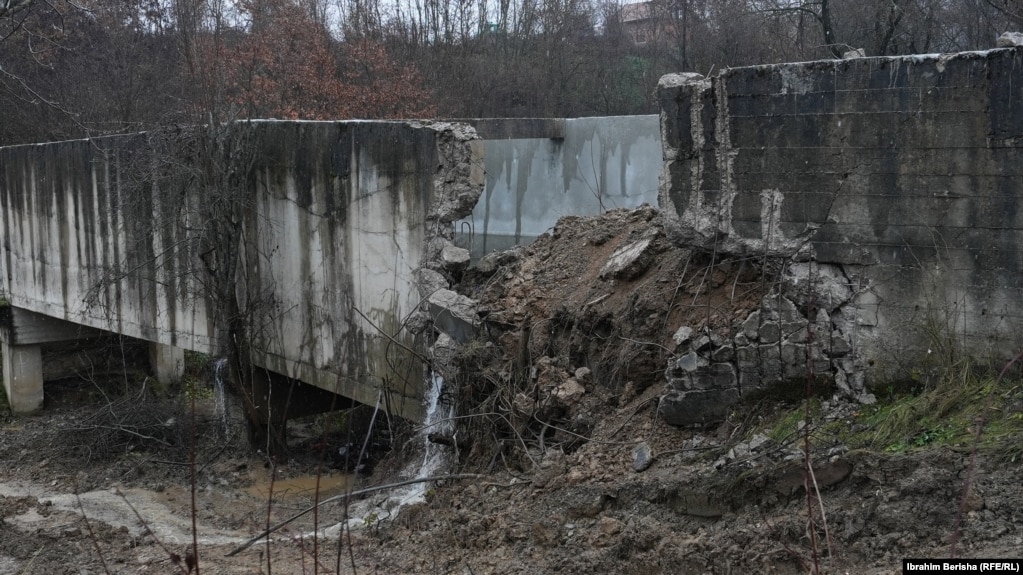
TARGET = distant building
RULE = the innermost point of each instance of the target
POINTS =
(644, 23)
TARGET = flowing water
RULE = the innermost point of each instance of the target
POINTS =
(439, 420)
(220, 395)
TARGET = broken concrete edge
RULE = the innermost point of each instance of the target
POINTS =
(884, 313)
(453, 315)
(447, 318)
(709, 374)
(1009, 40)
(697, 223)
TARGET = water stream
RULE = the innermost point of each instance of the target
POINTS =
(220, 395)
(438, 420)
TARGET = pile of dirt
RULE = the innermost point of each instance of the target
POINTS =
(583, 321)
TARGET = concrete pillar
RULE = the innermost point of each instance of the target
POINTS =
(23, 376)
(167, 362)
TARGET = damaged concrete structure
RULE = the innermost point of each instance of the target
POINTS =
(539, 170)
(879, 197)
(887, 189)
(341, 220)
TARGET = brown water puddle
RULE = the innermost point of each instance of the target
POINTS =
(302, 486)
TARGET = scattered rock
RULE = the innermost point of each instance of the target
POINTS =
(1010, 40)
(642, 458)
(453, 314)
(489, 263)
(688, 363)
(582, 374)
(455, 259)
(608, 528)
(682, 335)
(628, 261)
(569, 393)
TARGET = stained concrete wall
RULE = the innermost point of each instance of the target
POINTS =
(540, 170)
(904, 174)
(342, 214)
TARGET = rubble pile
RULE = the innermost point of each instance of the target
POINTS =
(603, 308)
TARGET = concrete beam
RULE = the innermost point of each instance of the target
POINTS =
(24, 327)
(23, 376)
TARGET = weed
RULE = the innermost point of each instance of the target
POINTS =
(195, 388)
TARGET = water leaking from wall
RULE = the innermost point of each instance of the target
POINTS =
(220, 395)
(440, 420)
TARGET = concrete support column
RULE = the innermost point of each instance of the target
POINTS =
(167, 362)
(23, 376)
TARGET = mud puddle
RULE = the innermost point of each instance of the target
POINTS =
(302, 486)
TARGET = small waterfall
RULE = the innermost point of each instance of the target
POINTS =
(439, 420)
(220, 395)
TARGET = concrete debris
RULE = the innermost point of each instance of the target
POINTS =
(1010, 40)
(857, 53)
(489, 263)
(453, 314)
(642, 458)
(429, 281)
(770, 346)
(569, 393)
(682, 335)
(628, 261)
(455, 259)
(817, 285)
(687, 363)
(460, 179)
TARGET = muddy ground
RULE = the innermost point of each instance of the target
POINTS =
(575, 471)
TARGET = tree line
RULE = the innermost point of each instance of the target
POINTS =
(76, 68)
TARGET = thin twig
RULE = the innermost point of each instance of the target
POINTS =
(174, 557)
(92, 534)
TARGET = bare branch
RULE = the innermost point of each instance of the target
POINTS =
(9, 8)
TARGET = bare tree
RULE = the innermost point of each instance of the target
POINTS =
(1012, 10)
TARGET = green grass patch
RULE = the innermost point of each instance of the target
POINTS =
(907, 417)
(948, 414)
